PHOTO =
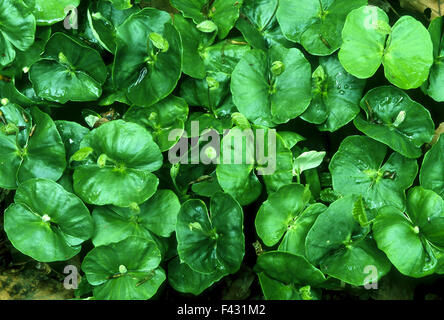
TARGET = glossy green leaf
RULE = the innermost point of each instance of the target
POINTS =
(336, 96)
(294, 238)
(409, 56)
(236, 174)
(433, 86)
(36, 151)
(407, 53)
(130, 156)
(209, 243)
(161, 119)
(280, 212)
(127, 270)
(68, 71)
(47, 230)
(308, 160)
(17, 29)
(158, 215)
(48, 12)
(184, 279)
(223, 13)
(364, 35)
(194, 42)
(266, 99)
(289, 268)
(317, 25)
(259, 26)
(104, 18)
(360, 167)
(395, 120)
(145, 72)
(408, 238)
(341, 247)
(432, 169)
(72, 134)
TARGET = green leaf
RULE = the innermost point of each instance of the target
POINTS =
(193, 42)
(68, 71)
(308, 160)
(208, 243)
(161, 119)
(104, 18)
(127, 270)
(358, 167)
(432, 87)
(48, 12)
(408, 238)
(337, 240)
(223, 13)
(146, 73)
(126, 178)
(407, 54)
(289, 268)
(259, 26)
(316, 25)
(359, 213)
(336, 96)
(35, 152)
(121, 4)
(383, 107)
(207, 26)
(280, 212)
(72, 134)
(184, 279)
(364, 35)
(432, 169)
(266, 99)
(47, 230)
(158, 215)
(17, 29)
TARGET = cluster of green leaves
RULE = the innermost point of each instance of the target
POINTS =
(103, 189)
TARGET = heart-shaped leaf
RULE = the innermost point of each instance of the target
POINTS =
(147, 74)
(358, 167)
(336, 96)
(407, 53)
(316, 25)
(211, 242)
(395, 120)
(158, 215)
(266, 98)
(289, 268)
(341, 247)
(30, 147)
(126, 270)
(223, 13)
(118, 171)
(161, 119)
(184, 279)
(47, 230)
(68, 71)
(281, 212)
(17, 29)
(409, 238)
